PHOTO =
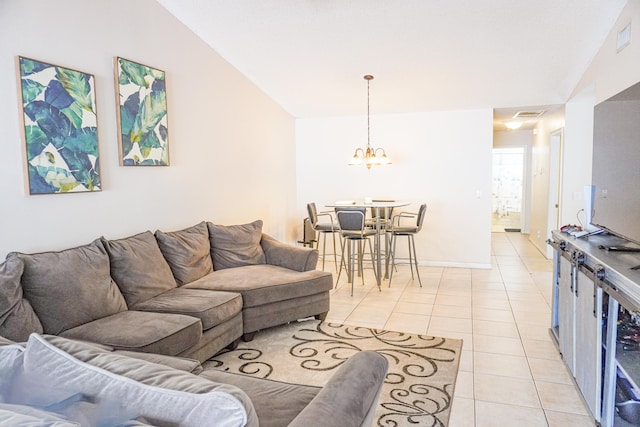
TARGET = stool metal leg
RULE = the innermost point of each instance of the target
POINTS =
(410, 255)
(415, 257)
(343, 242)
(375, 273)
(335, 253)
(324, 247)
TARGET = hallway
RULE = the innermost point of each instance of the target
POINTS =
(510, 372)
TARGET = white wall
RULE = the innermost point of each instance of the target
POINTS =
(609, 73)
(540, 180)
(520, 138)
(578, 155)
(232, 148)
(441, 158)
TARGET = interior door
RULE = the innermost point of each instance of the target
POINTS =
(555, 180)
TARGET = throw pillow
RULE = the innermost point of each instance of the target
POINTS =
(138, 267)
(27, 401)
(17, 318)
(24, 415)
(157, 402)
(71, 287)
(236, 245)
(187, 252)
(11, 357)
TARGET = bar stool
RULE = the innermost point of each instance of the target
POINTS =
(324, 228)
(354, 233)
(397, 229)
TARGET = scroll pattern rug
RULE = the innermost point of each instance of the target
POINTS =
(418, 389)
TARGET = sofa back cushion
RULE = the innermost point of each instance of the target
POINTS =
(71, 287)
(236, 245)
(138, 267)
(17, 318)
(187, 252)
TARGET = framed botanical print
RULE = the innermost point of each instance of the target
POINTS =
(60, 128)
(142, 114)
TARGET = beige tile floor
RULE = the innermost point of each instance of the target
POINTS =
(510, 371)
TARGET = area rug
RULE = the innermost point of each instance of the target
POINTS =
(418, 389)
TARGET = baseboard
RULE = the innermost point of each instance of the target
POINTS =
(455, 264)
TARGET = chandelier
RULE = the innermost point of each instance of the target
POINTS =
(369, 156)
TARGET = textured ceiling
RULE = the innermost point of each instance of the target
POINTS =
(310, 56)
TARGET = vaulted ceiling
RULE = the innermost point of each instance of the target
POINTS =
(310, 56)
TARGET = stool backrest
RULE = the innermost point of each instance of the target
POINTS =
(313, 213)
(421, 213)
(351, 219)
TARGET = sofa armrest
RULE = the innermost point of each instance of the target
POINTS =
(350, 396)
(284, 255)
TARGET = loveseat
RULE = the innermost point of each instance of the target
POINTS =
(54, 381)
(187, 293)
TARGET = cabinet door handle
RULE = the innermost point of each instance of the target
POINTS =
(599, 276)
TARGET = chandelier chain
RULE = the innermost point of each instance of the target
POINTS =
(368, 114)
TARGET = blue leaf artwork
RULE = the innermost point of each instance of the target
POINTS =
(142, 114)
(60, 128)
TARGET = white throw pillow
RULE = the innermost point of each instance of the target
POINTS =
(10, 363)
(52, 368)
(21, 415)
(10, 358)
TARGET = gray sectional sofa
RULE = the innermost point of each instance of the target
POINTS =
(187, 293)
(117, 329)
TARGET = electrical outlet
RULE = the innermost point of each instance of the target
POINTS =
(538, 234)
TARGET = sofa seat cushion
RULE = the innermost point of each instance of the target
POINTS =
(276, 403)
(163, 333)
(71, 287)
(180, 363)
(263, 284)
(138, 267)
(211, 307)
(79, 348)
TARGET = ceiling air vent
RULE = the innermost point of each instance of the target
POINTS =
(528, 114)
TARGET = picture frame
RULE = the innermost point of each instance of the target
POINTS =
(59, 123)
(141, 110)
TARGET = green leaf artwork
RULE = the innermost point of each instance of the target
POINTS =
(60, 128)
(142, 114)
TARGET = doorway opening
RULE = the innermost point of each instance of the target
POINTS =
(507, 188)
